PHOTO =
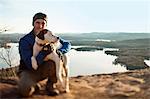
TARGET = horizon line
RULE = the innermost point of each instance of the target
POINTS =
(72, 32)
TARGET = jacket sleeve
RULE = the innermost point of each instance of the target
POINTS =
(40, 57)
(25, 50)
(25, 53)
(66, 46)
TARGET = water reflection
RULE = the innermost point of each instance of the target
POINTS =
(85, 63)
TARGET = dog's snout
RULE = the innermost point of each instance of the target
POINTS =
(57, 37)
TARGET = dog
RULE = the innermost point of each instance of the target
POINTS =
(44, 38)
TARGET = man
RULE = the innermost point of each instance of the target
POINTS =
(29, 77)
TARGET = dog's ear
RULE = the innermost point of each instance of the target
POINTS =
(41, 34)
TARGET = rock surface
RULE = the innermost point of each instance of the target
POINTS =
(128, 85)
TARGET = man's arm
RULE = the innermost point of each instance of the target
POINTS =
(25, 50)
(25, 53)
(66, 46)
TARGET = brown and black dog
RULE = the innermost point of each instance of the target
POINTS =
(47, 37)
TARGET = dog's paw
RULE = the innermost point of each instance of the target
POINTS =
(67, 90)
(35, 67)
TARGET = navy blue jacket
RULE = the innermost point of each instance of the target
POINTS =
(26, 49)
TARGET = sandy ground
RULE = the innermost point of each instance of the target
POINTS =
(128, 85)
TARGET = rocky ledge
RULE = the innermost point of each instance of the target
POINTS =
(133, 84)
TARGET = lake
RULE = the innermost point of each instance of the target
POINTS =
(81, 62)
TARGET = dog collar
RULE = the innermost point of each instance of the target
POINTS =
(40, 44)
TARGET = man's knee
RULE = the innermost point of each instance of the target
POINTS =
(51, 64)
(25, 90)
(50, 67)
(26, 84)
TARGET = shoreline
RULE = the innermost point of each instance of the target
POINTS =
(128, 57)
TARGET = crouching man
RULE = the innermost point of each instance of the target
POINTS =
(28, 77)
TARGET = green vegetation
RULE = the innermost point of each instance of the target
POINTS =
(132, 58)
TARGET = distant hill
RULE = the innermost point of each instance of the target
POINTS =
(107, 36)
(14, 37)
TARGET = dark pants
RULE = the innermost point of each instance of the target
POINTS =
(30, 78)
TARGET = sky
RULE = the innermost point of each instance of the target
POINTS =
(77, 16)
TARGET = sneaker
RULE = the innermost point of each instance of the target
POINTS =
(51, 89)
(53, 92)
(37, 88)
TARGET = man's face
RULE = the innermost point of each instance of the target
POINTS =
(39, 24)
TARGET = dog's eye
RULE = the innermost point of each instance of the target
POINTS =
(52, 35)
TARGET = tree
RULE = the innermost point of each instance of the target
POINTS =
(5, 55)
(6, 50)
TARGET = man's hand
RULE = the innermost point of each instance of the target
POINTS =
(48, 48)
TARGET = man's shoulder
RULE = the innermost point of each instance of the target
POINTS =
(28, 36)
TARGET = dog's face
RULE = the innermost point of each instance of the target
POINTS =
(47, 36)
(50, 37)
